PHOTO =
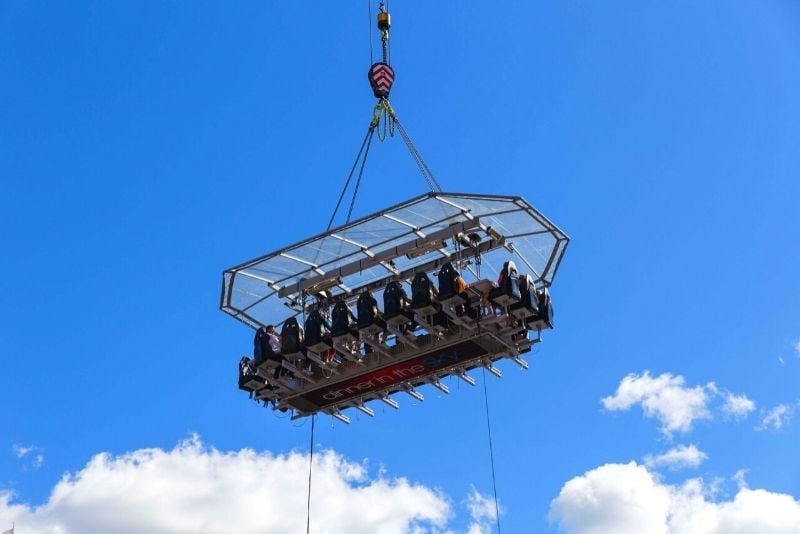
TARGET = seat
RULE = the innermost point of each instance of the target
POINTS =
(449, 290)
(292, 339)
(248, 379)
(317, 334)
(507, 290)
(423, 295)
(343, 324)
(263, 356)
(528, 303)
(369, 316)
(396, 306)
(544, 316)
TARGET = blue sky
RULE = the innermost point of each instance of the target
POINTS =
(145, 147)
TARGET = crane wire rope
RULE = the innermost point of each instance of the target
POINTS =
(310, 463)
(364, 143)
(369, 13)
(491, 450)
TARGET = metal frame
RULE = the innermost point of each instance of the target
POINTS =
(273, 287)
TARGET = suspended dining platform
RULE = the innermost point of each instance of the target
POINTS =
(328, 358)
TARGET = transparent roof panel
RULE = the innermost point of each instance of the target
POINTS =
(418, 234)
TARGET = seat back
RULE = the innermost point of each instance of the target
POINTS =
(395, 299)
(508, 282)
(367, 308)
(421, 291)
(341, 319)
(447, 281)
(527, 290)
(546, 311)
(261, 348)
(291, 336)
(315, 329)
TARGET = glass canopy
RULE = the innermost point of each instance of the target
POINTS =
(473, 231)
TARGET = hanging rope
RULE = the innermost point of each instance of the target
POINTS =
(491, 451)
(360, 175)
(369, 13)
(310, 463)
(367, 140)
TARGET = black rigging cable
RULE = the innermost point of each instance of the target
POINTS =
(369, 12)
(310, 463)
(360, 175)
(367, 139)
(491, 451)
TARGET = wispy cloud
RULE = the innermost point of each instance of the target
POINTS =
(737, 406)
(776, 418)
(679, 457)
(33, 453)
(482, 512)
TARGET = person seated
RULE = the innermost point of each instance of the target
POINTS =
(507, 290)
(453, 290)
(246, 367)
(248, 379)
(266, 347)
(343, 323)
(544, 316)
(424, 295)
(528, 303)
(369, 316)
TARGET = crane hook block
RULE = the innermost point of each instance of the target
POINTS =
(384, 21)
(381, 77)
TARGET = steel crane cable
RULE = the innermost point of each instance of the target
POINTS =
(310, 463)
(491, 450)
(364, 144)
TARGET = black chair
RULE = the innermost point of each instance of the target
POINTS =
(544, 317)
(448, 286)
(528, 304)
(264, 357)
(396, 306)
(292, 339)
(248, 379)
(369, 316)
(507, 290)
(423, 295)
(317, 333)
(343, 324)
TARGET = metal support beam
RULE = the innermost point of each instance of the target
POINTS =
(365, 409)
(391, 402)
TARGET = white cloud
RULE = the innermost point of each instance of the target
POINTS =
(629, 499)
(22, 451)
(797, 348)
(677, 458)
(737, 406)
(776, 418)
(195, 488)
(482, 511)
(664, 397)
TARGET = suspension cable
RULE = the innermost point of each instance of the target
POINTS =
(360, 175)
(310, 463)
(369, 13)
(364, 143)
(491, 451)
